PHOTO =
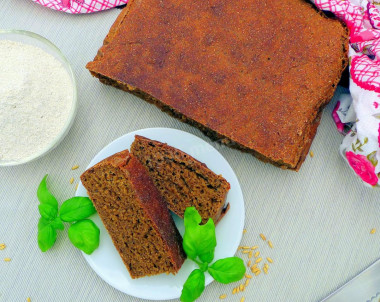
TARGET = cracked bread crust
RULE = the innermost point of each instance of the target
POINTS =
(253, 74)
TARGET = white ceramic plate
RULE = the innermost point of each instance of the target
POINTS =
(106, 261)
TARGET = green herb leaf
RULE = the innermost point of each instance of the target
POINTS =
(47, 211)
(198, 240)
(84, 235)
(57, 224)
(191, 217)
(227, 270)
(76, 208)
(193, 287)
(44, 196)
(46, 235)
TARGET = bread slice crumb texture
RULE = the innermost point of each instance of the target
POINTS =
(145, 246)
(182, 180)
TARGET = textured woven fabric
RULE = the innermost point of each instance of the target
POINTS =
(81, 6)
(319, 219)
(359, 117)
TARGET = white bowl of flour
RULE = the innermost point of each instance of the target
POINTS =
(38, 97)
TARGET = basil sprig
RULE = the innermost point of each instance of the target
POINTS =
(199, 242)
(84, 234)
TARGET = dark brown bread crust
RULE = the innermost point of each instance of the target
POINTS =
(135, 215)
(253, 74)
(182, 180)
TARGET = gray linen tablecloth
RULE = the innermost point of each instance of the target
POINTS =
(318, 219)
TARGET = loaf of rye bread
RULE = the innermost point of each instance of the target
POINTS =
(254, 74)
(135, 215)
(182, 180)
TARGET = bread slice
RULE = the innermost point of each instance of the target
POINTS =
(135, 215)
(254, 74)
(182, 180)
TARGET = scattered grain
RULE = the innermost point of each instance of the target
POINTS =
(28, 299)
(311, 154)
(257, 254)
(270, 244)
(263, 237)
(76, 187)
(223, 296)
(234, 291)
(249, 263)
(269, 260)
(246, 282)
(258, 260)
(71, 180)
(254, 247)
(250, 254)
(7, 259)
(74, 167)
(244, 231)
(245, 247)
(257, 273)
(248, 276)
(265, 269)
(373, 231)
(255, 270)
(240, 247)
(241, 287)
(2, 246)
(242, 299)
(246, 252)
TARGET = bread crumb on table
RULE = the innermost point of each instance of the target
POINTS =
(311, 154)
(373, 231)
(7, 259)
(2, 246)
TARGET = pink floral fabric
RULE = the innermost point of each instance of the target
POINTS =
(357, 115)
(81, 6)
(363, 167)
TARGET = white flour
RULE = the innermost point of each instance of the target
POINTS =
(35, 100)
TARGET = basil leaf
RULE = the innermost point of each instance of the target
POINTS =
(191, 217)
(198, 240)
(57, 224)
(193, 287)
(76, 208)
(44, 196)
(46, 235)
(227, 270)
(47, 211)
(84, 235)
